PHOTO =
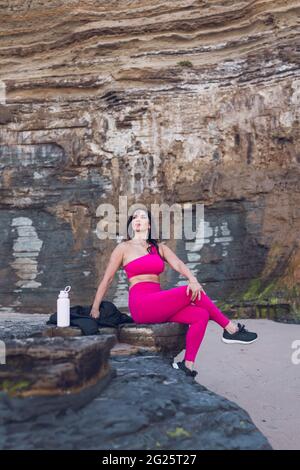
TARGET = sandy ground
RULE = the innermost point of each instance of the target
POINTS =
(260, 377)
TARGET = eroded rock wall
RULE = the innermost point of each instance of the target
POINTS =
(175, 102)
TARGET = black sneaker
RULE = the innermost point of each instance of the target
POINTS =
(181, 365)
(242, 336)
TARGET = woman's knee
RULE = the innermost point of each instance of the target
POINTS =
(201, 316)
(205, 316)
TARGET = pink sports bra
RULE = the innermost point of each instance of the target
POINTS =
(151, 263)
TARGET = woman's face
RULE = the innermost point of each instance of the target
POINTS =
(140, 221)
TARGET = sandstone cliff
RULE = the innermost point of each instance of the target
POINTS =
(161, 101)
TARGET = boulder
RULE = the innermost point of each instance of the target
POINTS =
(72, 331)
(43, 374)
(167, 338)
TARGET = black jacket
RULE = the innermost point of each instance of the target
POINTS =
(110, 316)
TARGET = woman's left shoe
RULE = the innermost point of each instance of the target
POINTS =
(242, 336)
(181, 365)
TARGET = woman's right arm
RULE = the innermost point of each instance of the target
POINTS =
(114, 264)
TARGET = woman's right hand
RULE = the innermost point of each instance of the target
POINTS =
(196, 289)
(94, 312)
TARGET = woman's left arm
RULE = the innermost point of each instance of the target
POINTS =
(176, 263)
(180, 267)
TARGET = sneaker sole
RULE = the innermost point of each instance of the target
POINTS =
(228, 341)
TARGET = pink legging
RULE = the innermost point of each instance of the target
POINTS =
(149, 303)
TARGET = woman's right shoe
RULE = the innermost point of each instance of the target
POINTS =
(181, 365)
(242, 336)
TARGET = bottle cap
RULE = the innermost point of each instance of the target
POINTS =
(64, 293)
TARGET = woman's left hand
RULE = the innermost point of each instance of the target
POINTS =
(196, 289)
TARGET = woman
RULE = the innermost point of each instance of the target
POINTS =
(143, 259)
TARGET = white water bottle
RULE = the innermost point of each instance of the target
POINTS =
(63, 307)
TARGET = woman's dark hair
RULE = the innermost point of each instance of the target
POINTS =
(152, 241)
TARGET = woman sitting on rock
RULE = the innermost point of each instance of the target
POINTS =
(143, 259)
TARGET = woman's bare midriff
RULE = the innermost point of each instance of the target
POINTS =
(143, 277)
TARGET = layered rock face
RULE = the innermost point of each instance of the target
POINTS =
(167, 102)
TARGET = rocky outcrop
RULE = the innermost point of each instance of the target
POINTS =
(174, 102)
(42, 375)
(94, 392)
(21, 325)
(147, 405)
(167, 338)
